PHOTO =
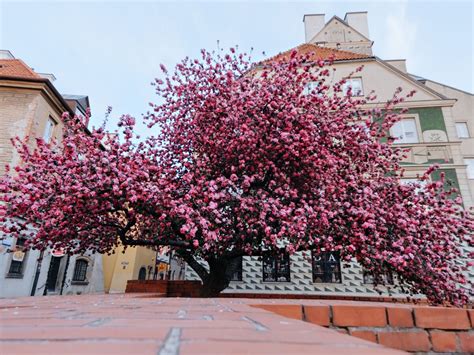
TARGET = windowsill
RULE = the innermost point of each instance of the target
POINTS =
(80, 283)
(14, 276)
(327, 283)
(276, 282)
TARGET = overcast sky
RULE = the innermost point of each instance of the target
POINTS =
(111, 50)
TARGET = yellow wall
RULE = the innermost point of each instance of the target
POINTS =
(121, 267)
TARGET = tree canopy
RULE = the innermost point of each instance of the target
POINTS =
(245, 159)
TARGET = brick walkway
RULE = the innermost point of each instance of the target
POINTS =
(140, 324)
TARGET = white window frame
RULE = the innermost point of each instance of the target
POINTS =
(347, 84)
(468, 135)
(311, 87)
(417, 127)
(411, 180)
(470, 175)
(49, 129)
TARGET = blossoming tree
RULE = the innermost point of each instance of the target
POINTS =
(245, 160)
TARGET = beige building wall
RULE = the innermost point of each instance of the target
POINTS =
(462, 112)
(23, 112)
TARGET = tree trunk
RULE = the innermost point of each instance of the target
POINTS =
(218, 277)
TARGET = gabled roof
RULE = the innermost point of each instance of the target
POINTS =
(16, 68)
(316, 52)
(337, 18)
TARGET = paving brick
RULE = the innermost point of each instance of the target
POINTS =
(441, 318)
(400, 317)
(466, 341)
(443, 341)
(317, 315)
(82, 347)
(364, 334)
(408, 340)
(358, 316)
(286, 310)
(137, 323)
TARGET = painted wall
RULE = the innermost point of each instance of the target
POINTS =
(123, 266)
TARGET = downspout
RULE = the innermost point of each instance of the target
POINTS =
(65, 274)
(37, 274)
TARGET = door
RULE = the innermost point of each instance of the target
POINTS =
(53, 273)
(142, 274)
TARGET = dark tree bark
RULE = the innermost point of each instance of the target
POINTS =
(217, 277)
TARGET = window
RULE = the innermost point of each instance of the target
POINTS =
(462, 130)
(404, 131)
(237, 274)
(326, 267)
(355, 84)
(18, 260)
(414, 181)
(16, 268)
(369, 278)
(311, 87)
(470, 167)
(80, 270)
(276, 269)
(49, 130)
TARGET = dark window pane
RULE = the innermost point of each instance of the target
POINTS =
(16, 267)
(326, 267)
(369, 278)
(276, 269)
(80, 270)
(237, 274)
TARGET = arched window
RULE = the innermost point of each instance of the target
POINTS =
(142, 273)
(80, 270)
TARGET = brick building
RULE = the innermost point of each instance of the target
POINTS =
(31, 106)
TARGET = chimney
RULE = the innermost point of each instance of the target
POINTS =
(358, 21)
(313, 23)
(400, 64)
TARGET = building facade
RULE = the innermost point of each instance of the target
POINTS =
(140, 263)
(31, 106)
(436, 129)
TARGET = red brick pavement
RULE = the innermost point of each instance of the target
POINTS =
(139, 324)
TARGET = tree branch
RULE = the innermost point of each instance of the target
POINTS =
(194, 264)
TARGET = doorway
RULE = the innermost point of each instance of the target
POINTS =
(53, 274)
(142, 273)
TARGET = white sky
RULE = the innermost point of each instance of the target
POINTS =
(111, 50)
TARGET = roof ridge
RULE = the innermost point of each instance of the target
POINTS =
(344, 55)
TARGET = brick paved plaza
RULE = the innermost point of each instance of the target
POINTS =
(141, 324)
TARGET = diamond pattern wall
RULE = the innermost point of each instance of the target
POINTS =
(301, 280)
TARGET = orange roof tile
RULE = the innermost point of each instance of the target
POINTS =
(16, 68)
(316, 53)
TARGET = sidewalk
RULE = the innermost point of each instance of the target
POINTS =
(140, 324)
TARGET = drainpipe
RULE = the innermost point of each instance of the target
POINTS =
(65, 274)
(37, 274)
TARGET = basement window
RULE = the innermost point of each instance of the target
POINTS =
(276, 268)
(326, 267)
